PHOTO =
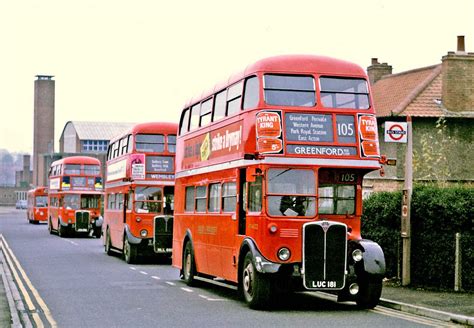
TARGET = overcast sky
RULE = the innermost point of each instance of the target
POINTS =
(138, 61)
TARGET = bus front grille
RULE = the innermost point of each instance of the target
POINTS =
(324, 255)
(162, 233)
(82, 221)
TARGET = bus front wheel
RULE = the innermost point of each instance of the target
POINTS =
(50, 226)
(130, 252)
(61, 230)
(189, 266)
(370, 292)
(255, 286)
(108, 246)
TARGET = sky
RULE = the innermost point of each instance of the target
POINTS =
(141, 60)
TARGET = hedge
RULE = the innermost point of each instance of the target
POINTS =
(437, 214)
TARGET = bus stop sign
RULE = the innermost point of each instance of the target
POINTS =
(396, 132)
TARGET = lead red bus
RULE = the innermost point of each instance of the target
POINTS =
(75, 196)
(269, 169)
(37, 205)
(139, 191)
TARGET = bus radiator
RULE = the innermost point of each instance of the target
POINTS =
(324, 255)
(162, 233)
(82, 221)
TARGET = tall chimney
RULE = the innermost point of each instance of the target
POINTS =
(458, 79)
(376, 71)
(43, 125)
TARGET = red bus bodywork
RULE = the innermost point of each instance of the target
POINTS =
(139, 188)
(301, 129)
(75, 196)
(37, 200)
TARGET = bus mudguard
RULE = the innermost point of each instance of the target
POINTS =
(261, 263)
(374, 260)
(64, 224)
(131, 238)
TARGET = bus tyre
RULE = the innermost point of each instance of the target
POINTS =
(50, 226)
(130, 252)
(108, 246)
(189, 266)
(256, 287)
(61, 230)
(370, 290)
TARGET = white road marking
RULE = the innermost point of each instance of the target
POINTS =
(187, 289)
(155, 277)
(171, 283)
(143, 272)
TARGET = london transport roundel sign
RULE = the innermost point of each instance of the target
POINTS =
(395, 132)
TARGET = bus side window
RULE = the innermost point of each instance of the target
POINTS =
(251, 95)
(234, 96)
(184, 125)
(219, 106)
(189, 207)
(206, 110)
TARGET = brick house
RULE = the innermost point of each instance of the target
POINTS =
(440, 101)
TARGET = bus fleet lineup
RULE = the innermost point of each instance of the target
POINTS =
(259, 185)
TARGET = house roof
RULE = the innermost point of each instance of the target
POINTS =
(98, 130)
(415, 93)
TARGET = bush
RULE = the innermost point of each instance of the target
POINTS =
(437, 214)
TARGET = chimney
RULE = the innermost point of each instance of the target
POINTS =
(376, 71)
(458, 79)
(43, 125)
(461, 48)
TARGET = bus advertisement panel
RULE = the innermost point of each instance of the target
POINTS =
(75, 196)
(269, 171)
(139, 188)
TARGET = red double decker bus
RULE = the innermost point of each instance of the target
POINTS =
(37, 205)
(75, 196)
(139, 189)
(269, 169)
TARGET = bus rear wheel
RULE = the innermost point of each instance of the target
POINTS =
(256, 288)
(130, 252)
(189, 266)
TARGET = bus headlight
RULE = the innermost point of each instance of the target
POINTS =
(284, 254)
(357, 255)
(138, 219)
(143, 233)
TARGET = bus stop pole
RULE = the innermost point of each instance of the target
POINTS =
(406, 208)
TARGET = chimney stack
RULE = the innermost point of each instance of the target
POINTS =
(458, 79)
(376, 70)
(461, 48)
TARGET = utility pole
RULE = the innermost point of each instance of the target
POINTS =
(406, 207)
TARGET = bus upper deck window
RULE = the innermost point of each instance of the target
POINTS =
(339, 92)
(289, 90)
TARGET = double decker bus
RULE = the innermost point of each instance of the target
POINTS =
(269, 169)
(139, 192)
(37, 205)
(75, 196)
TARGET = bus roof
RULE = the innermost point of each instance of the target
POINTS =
(150, 127)
(289, 64)
(77, 160)
(38, 190)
